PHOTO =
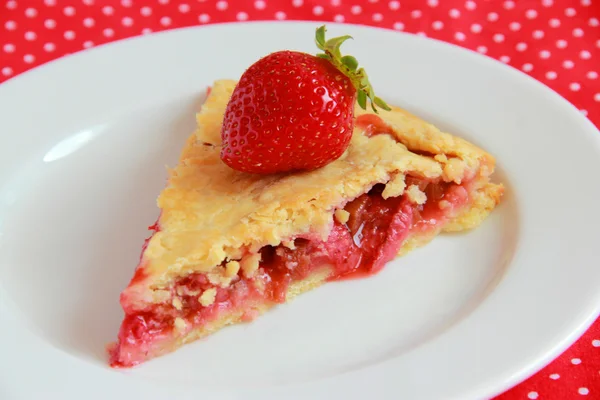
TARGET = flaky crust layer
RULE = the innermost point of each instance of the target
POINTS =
(211, 213)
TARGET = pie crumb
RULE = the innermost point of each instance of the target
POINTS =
(250, 264)
(395, 187)
(342, 216)
(443, 204)
(416, 195)
(289, 244)
(232, 268)
(208, 297)
(177, 303)
(179, 324)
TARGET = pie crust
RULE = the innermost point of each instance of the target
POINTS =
(215, 222)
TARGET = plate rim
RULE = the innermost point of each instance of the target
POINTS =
(524, 372)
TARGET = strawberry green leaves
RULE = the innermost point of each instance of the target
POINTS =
(348, 65)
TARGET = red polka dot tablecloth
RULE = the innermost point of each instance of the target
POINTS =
(554, 41)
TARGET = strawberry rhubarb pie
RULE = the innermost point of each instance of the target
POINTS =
(297, 175)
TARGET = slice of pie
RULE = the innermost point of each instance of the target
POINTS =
(230, 245)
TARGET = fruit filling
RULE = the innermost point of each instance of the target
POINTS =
(366, 234)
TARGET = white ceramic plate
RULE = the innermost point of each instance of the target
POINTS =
(83, 144)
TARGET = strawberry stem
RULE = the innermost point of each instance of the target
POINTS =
(348, 65)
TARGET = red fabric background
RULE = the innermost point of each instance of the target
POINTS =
(555, 41)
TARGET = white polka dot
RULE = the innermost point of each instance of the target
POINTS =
(531, 14)
(514, 26)
(28, 58)
(9, 48)
(492, 16)
(521, 46)
(545, 54)
(222, 5)
(454, 13)
(498, 38)
(598, 43)
(163, 1)
(165, 21)
(11, 5)
(88, 22)
(551, 75)
(570, 12)
(398, 26)
(583, 391)
(574, 86)
(460, 36)
(421, 33)
(554, 376)
(377, 17)
(394, 5)
(127, 21)
(50, 23)
(49, 47)
(146, 31)
(146, 11)
(88, 2)
(575, 361)
(470, 5)
(356, 10)
(69, 35)
(437, 25)
(241, 16)
(10, 25)
(260, 4)
(584, 112)
(318, 10)
(339, 18)
(585, 55)
(547, 3)
(532, 395)
(596, 98)
(578, 32)
(432, 3)
(30, 12)
(416, 14)
(336, 3)
(184, 8)
(280, 15)
(203, 18)
(50, 3)
(476, 28)
(298, 3)
(594, 22)
(87, 44)
(561, 43)
(482, 49)
(69, 11)
(505, 59)
(7, 71)
(509, 5)
(108, 32)
(594, 75)
(108, 10)
(586, 3)
(29, 35)
(554, 22)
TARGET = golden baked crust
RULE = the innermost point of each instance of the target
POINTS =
(211, 214)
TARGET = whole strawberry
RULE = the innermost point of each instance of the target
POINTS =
(293, 111)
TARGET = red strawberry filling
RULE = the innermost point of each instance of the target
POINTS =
(371, 237)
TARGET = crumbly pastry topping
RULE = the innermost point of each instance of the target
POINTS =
(215, 219)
